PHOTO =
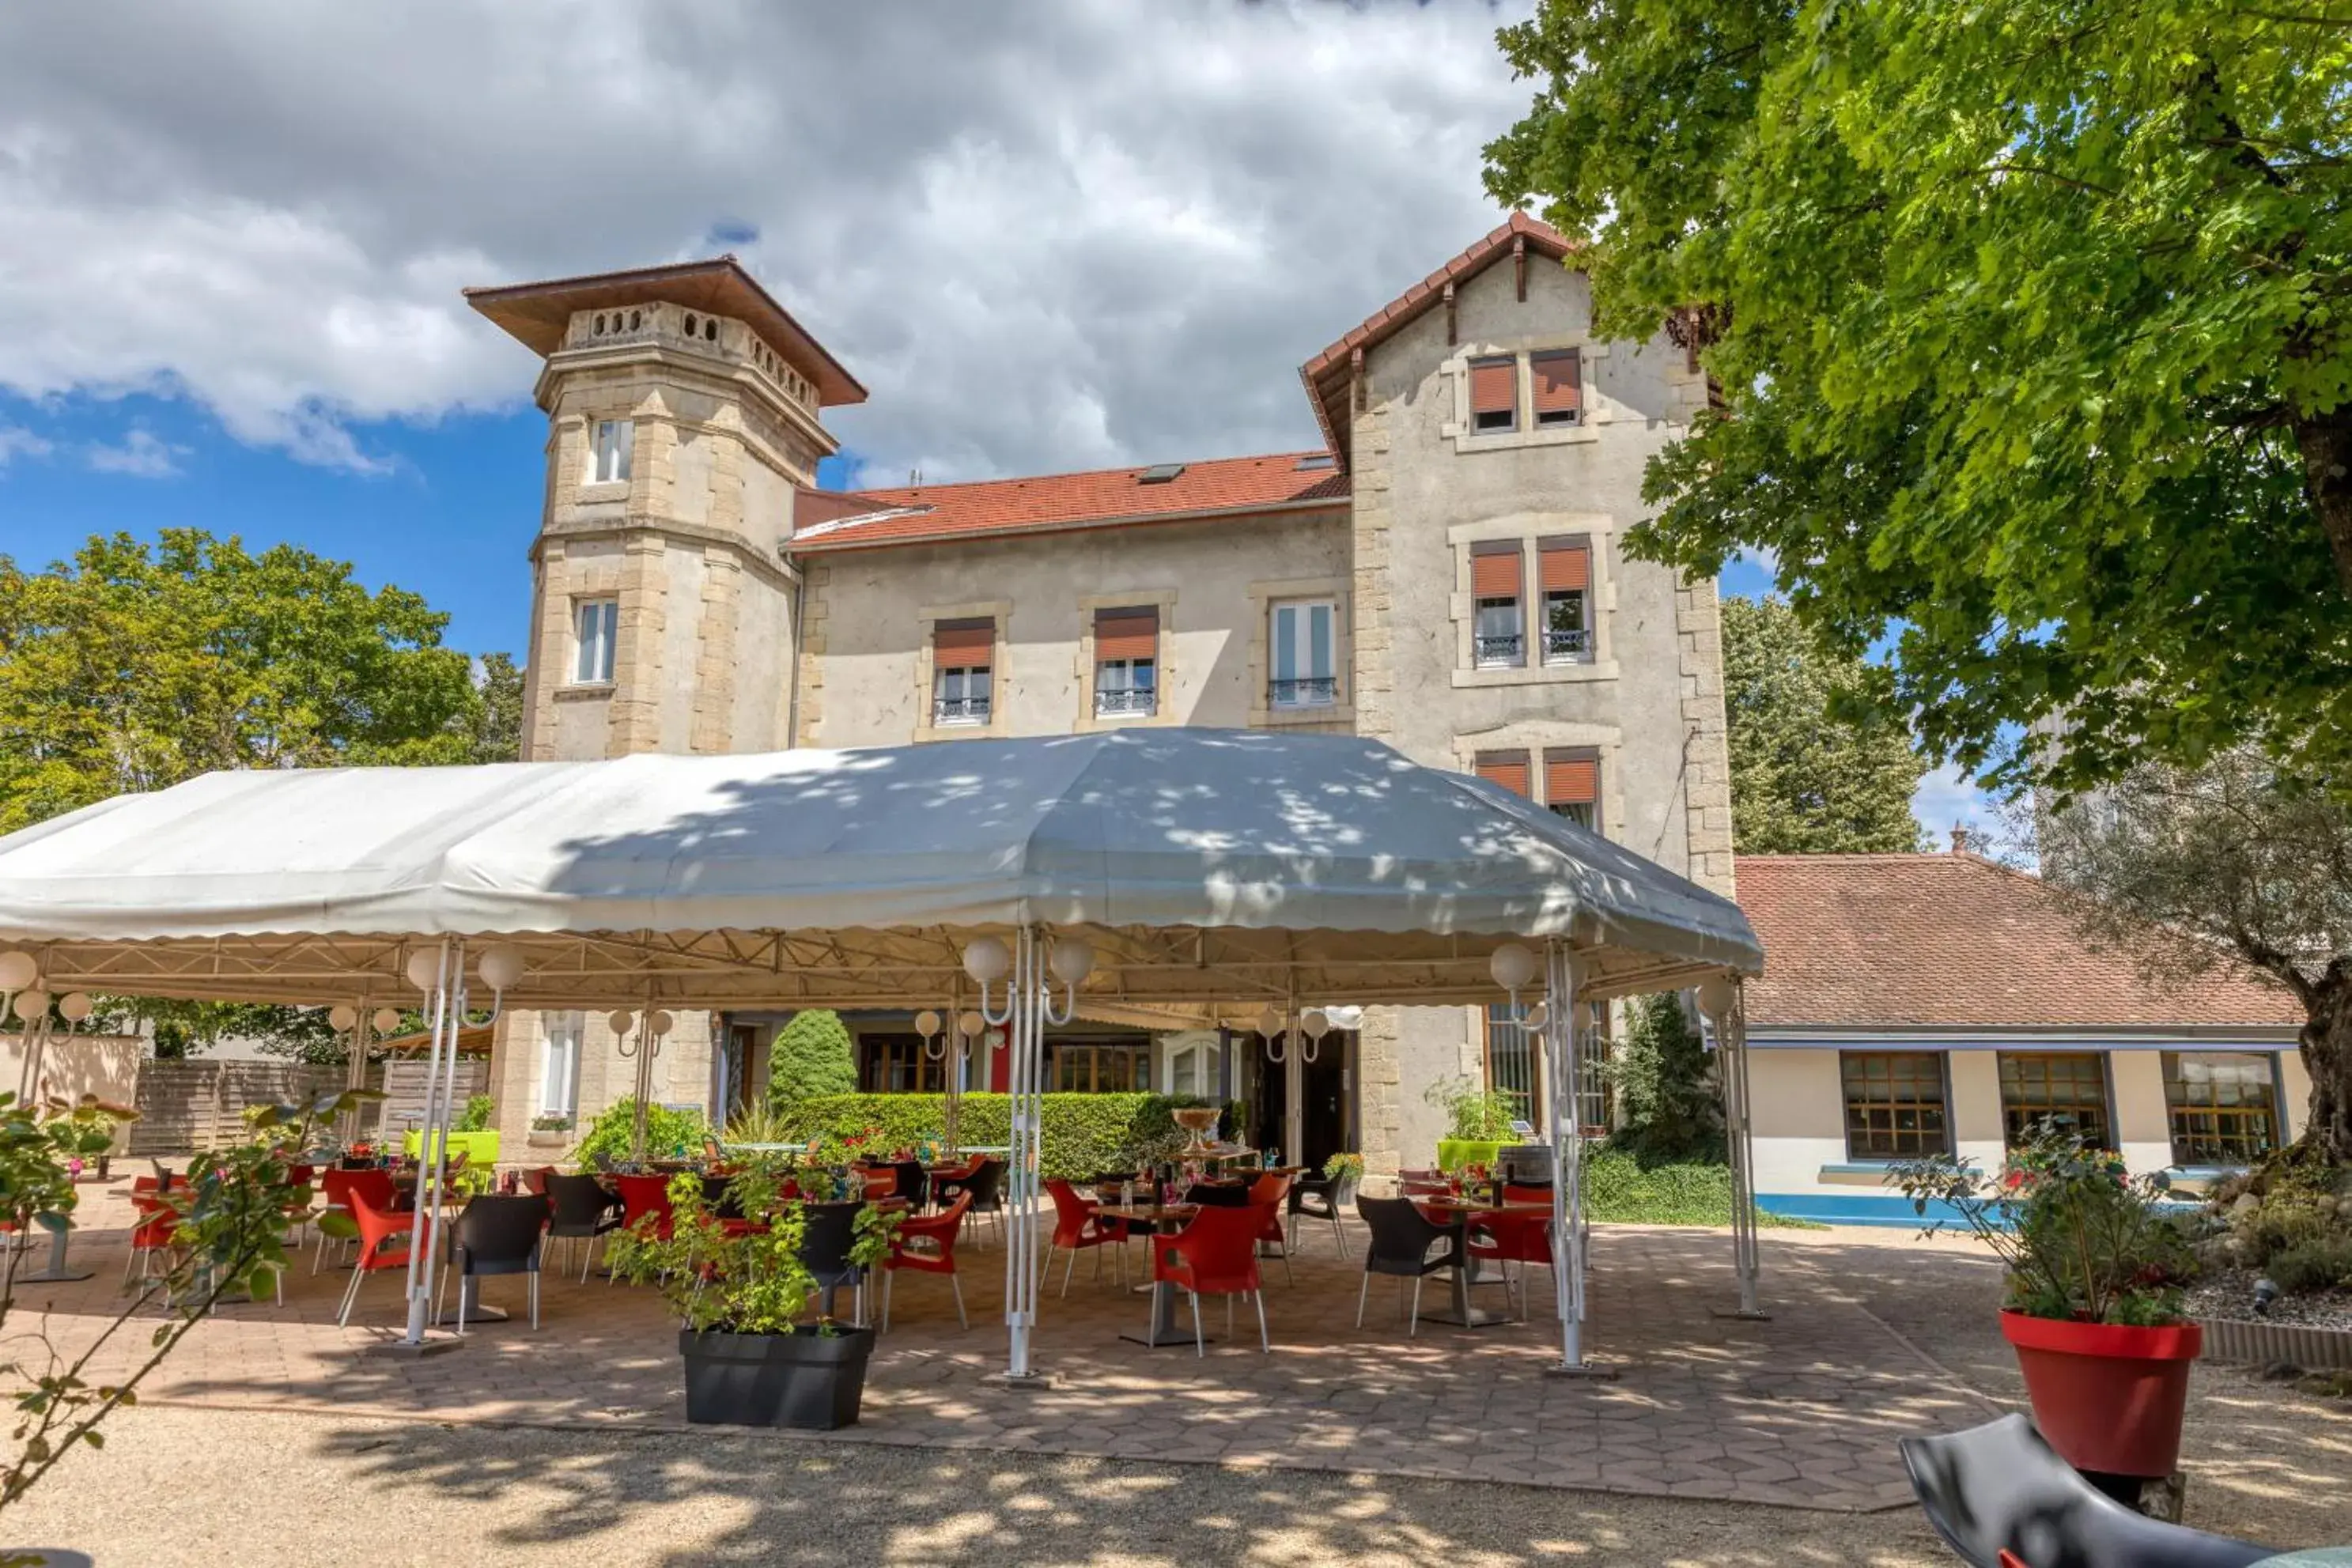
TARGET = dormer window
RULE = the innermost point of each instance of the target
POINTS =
(610, 445)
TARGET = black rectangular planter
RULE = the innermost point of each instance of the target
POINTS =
(806, 1380)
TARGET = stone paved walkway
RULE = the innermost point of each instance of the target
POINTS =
(1802, 1410)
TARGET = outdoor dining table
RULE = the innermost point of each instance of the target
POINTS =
(1163, 1219)
(1460, 1212)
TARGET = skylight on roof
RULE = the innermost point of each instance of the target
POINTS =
(1316, 460)
(1159, 474)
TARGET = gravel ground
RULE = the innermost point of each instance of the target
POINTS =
(183, 1487)
(2230, 1293)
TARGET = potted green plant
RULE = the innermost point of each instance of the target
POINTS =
(2096, 1260)
(754, 1356)
(1479, 1122)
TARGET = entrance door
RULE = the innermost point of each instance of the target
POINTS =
(1323, 1131)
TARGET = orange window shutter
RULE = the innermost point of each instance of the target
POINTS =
(963, 644)
(1494, 386)
(1559, 381)
(1495, 571)
(1567, 566)
(1508, 768)
(1570, 779)
(1127, 633)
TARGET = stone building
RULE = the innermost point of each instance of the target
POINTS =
(1444, 574)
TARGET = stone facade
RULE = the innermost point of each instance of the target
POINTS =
(754, 612)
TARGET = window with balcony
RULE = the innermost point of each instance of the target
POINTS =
(610, 449)
(1564, 570)
(2222, 1106)
(1127, 663)
(1303, 671)
(2064, 1092)
(595, 627)
(963, 653)
(1494, 396)
(1893, 1105)
(1499, 633)
(1573, 786)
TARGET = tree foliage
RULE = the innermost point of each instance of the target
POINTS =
(1815, 769)
(810, 1056)
(1664, 1078)
(134, 667)
(2185, 872)
(2029, 324)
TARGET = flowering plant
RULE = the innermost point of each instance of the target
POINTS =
(2083, 1240)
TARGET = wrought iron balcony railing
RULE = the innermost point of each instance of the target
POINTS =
(1309, 691)
(959, 710)
(1504, 649)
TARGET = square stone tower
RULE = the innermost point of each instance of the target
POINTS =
(683, 408)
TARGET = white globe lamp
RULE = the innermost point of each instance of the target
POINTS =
(425, 968)
(621, 1022)
(32, 1004)
(74, 1006)
(502, 966)
(987, 959)
(969, 1024)
(385, 1019)
(1513, 967)
(1073, 961)
(660, 1023)
(927, 1023)
(341, 1016)
(17, 971)
(1715, 996)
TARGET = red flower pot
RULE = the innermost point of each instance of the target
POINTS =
(2108, 1396)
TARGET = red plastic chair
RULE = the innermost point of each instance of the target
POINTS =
(379, 1229)
(1271, 1192)
(641, 1196)
(1216, 1255)
(534, 1180)
(1509, 1239)
(1076, 1227)
(936, 1234)
(335, 1189)
(154, 1230)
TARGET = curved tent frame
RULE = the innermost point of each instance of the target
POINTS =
(1213, 873)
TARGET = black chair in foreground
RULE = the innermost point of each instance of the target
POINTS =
(2002, 1487)
(1402, 1238)
(495, 1235)
(582, 1212)
(986, 1185)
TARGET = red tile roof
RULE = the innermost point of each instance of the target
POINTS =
(1108, 497)
(1326, 374)
(1952, 940)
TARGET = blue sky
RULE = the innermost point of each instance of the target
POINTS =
(1075, 234)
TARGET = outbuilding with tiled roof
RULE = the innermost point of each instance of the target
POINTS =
(1918, 1004)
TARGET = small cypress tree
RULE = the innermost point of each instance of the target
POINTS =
(1665, 1086)
(811, 1056)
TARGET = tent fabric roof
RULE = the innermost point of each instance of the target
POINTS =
(1955, 941)
(1213, 866)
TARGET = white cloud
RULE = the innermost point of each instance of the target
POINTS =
(1946, 797)
(16, 442)
(141, 454)
(1068, 232)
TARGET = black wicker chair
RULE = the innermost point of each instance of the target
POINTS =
(2001, 1487)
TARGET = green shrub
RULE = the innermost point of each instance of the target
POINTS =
(1664, 1079)
(477, 1114)
(812, 1058)
(666, 1131)
(2311, 1266)
(1085, 1133)
(1623, 1187)
(1473, 1113)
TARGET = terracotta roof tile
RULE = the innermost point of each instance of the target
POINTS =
(1952, 940)
(1110, 497)
(1327, 390)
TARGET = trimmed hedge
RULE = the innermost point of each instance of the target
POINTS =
(1618, 1187)
(1085, 1133)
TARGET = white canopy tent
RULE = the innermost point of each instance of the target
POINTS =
(1189, 872)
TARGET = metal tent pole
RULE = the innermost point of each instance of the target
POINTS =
(1027, 1006)
(1569, 1235)
(347, 1126)
(1294, 1088)
(448, 1005)
(1725, 1003)
(36, 1045)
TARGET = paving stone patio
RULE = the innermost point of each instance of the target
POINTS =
(1802, 1410)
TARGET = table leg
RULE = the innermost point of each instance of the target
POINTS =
(1164, 1329)
(1460, 1314)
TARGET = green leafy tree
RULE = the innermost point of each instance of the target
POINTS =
(135, 667)
(2029, 327)
(811, 1056)
(2184, 872)
(493, 723)
(1815, 769)
(1665, 1079)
